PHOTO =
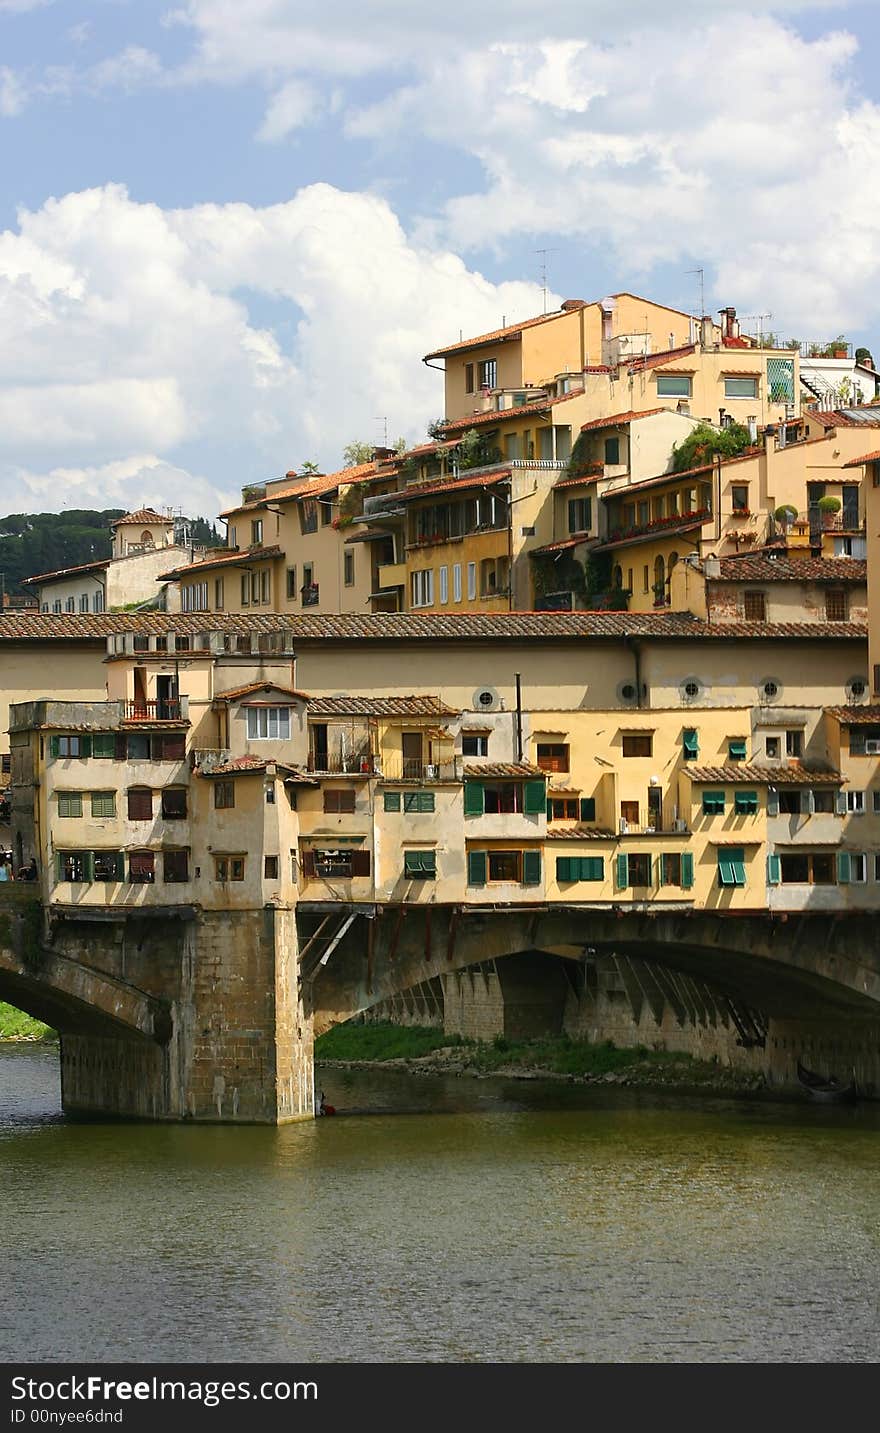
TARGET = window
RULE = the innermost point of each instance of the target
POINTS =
(232, 536)
(138, 746)
(56, 605)
(84, 602)
(852, 866)
(690, 746)
(108, 866)
(471, 581)
(245, 590)
(335, 863)
(174, 803)
(420, 865)
(224, 795)
(391, 800)
(805, 868)
(552, 756)
(268, 723)
(309, 592)
(175, 866)
(469, 378)
(634, 870)
(423, 587)
(487, 372)
(646, 579)
(505, 865)
(74, 866)
(739, 497)
(142, 868)
(669, 386)
(580, 868)
(255, 588)
(875, 802)
(677, 869)
(612, 451)
(103, 804)
(66, 746)
(291, 582)
(270, 868)
(859, 739)
(418, 801)
(788, 802)
(326, 507)
(339, 801)
(348, 568)
(580, 514)
(855, 803)
(257, 532)
(823, 800)
(794, 743)
(308, 515)
(629, 812)
(70, 604)
(745, 803)
(70, 803)
(229, 868)
(270, 795)
(218, 594)
(476, 744)
(562, 808)
(740, 387)
(713, 803)
(140, 803)
(503, 798)
(637, 743)
(736, 748)
(264, 586)
(456, 582)
(193, 598)
(444, 585)
(755, 607)
(771, 748)
(181, 644)
(170, 747)
(835, 605)
(731, 866)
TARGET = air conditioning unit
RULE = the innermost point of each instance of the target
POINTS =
(872, 748)
(679, 825)
(430, 773)
(623, 828)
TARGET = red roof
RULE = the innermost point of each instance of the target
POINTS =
(560, 546)
(620, 420)
(234, 559)
(250, 687)
(512, 330)
(502, 415)
(98, 566)
(839, 417)
(141, 516)
(750, 568)
(445, 485)
(300, 487)
(589, 472)
(865, 458)
(657, 360)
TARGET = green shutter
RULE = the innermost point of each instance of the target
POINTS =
(474, 804)
(736, 750)
(687, 870)
(549, 809)
(103, 743)
(592, 868)
(54, 746)
(59, 876)
(85, 746)
(731, 866)
(738, 858)
(773, 870)
(745, 803)
(713, 803)
(622, 873)
(89, 865)
(70, 803)
(477, 866)
(419, 865)
(843, 867)
(531, 868)
(690, 745)
(588, 808)
(534, 798)
(418, 801)
(564, 870)
(392, 800)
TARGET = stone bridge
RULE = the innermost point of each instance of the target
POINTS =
(188, 1014)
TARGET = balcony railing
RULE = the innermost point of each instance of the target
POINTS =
(361, 762)
(164, 709)
(394, 767)
(309, 595)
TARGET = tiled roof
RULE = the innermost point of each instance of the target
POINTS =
(501, 415)
(792, 569)
(410, 706)
(252, 765)
(865, 458)
(503, 768)
(512, 330)
(98, 566)
(317, 486)
(855, 716)
(587, 474)
(498, 627)
(619, 420)
(561, 546)
(74, 627)
(579, 833)
(235, 692)
(742, 774)
(143, 515)
(869, 417)
(658, 360)
(445, 485)
(233, 559)
(673, 529)
(625, 488)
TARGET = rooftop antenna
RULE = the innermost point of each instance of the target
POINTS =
(700, 274)
(384, 421)
(544, 253)
(757, 318)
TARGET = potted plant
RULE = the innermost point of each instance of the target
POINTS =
(829, 507)
(785, 514)
(837, 348)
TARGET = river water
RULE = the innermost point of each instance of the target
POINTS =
(441, 1219)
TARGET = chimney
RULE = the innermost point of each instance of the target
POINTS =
(729, 323)
(712, 567)
(707, 331)
(569, 305)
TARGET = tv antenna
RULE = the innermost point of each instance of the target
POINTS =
(544, 253)
(701, 275)
(384, 421)
(757, 318)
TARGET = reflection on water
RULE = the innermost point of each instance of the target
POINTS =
(534, 1222)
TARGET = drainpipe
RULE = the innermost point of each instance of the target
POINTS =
(519, 741)
(717, 497)
(637, 659)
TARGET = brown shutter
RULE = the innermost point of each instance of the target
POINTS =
(360, 863)
(307, 863)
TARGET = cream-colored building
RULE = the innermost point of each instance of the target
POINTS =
(143, 544)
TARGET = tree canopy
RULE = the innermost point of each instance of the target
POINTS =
(704, 442)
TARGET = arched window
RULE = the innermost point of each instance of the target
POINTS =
(617, 578)
(659, 580)
(673, 559)
(146, 538)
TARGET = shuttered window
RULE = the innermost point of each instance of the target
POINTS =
(418, 800)
(74, 866)
(534, 798)
(174, 803)
(474, 800)
(588, 808)
(531, 868)
(420, 865)
(736, 749)
(175, 866)
(477, 868)
(103, 804)
(580, 868)
(104, 744)
(391, 800)
(140, 804)
(338, 801)
(713, 803)
(690, 745)
(745, 803)
(142, 867)
(70, 803)
(108, 866)
(731, 866)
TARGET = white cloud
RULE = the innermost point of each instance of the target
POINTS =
(13, 93)
(294, 105)
(126, 329)
(135, 482)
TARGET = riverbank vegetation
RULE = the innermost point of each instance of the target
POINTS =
(15, 1025)
(421, 1050)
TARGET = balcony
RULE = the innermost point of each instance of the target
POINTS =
(391, 574)
(163, 709)
(358, 762)
(394, 767)
(660, 525)
(309, 595)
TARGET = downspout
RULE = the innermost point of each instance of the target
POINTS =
(637, 659)
(519, 740)
(717, 496)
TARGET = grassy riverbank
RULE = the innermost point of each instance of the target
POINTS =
(429, 1051)
(15, 1025)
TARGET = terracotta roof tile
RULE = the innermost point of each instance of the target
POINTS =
(409, 706)
(232, 559)
(445, 485)
(562, 545)
(98, 566)
(579, 833)
(865, 458)
(250, 687)
(792, 569)
(658, 360)
(587, 475)
(142, 515)
(317, 486)
(740, 773)
(73, 627)
(502, 415)
(841, 417)
(620, 420)
(512, 330)
(856, 716)
(504, 769)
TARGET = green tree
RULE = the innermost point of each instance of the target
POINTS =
(704, 442)
(308, 469)
(357, 452)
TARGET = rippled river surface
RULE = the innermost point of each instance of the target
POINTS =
(443, 1220)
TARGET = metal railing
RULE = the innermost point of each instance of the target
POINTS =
(360, 761)
(164, 709)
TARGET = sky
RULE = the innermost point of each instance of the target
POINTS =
(230, 229)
